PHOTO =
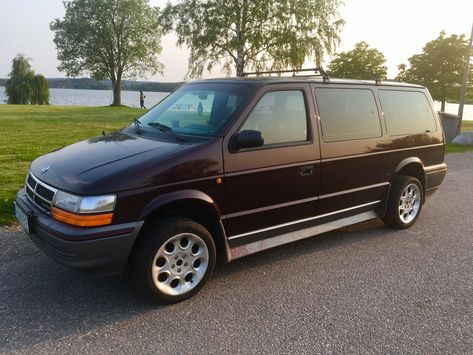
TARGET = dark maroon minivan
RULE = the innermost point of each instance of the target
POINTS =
(231, 167)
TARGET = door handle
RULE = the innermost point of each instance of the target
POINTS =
(307, 170)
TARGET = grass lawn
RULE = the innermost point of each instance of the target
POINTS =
(26, 132)
(452, 148)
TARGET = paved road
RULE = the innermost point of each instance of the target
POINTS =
(364, 289)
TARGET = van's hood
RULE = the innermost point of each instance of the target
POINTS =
(113, 162)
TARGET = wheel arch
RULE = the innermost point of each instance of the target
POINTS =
(414, 167)
(192, 204)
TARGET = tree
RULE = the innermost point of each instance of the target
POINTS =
(254, 35)
(439, 67)
(108, 39)
(24, 87)
(18, 88)
(40, 93)
(361, 62)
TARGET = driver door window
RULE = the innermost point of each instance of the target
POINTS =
(280, 116)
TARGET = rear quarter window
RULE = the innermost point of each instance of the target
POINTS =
(406, 112)
(347, 114)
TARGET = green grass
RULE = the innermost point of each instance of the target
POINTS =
(453, 148)
(27, 132)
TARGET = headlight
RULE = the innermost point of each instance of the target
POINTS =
(95, 204)
(83, 211)
(87, 204)
(66, 201)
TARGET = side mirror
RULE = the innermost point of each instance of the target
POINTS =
(248, 139)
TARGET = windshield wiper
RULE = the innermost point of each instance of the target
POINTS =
(137, 123)
(164, 128)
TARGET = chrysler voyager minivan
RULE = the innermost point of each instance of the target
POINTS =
(227, 168)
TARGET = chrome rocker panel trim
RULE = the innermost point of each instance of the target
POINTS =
(284, 238)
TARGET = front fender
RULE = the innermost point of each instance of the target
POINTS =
(176, 196)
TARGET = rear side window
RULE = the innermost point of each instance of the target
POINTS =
(347, 114)
(280, 116)
(406, 112)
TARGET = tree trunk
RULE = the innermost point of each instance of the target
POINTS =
(442, 108)
(240, 72)
(240, 64)
(117, 92)
(241, 36)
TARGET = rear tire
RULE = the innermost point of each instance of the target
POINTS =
(404, 202)
(173, 259)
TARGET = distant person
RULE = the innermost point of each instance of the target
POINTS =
(200, 108)
(142, 100)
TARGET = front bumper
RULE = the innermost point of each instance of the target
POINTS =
(98, 250)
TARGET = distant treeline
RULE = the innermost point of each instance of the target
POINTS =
(86, 83)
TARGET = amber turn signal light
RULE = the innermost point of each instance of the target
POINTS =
(82, 220)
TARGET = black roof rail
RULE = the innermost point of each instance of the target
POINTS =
(317, 72)
(376, 78)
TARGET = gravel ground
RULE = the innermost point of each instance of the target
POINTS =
(363, 289)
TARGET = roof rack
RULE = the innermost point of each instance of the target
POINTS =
(317, 72)
(376, 78)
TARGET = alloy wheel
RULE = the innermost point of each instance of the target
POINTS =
(180, 264)
(409, 203)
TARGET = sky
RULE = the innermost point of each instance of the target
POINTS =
(398, 28)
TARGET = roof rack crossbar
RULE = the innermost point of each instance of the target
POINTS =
(318, 72)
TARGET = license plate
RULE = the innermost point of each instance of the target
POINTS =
(22, 218)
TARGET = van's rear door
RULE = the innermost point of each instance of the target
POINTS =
(354, 173)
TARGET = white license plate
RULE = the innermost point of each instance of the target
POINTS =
(22, 218)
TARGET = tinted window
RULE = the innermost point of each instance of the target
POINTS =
(406, 112)
(347, 114)
(280, 116)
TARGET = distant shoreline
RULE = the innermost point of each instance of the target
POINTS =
(93, 97)
(90, 84)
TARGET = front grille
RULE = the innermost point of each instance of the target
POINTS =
(39, 193)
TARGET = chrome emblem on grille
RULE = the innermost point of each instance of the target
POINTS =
(43, 170)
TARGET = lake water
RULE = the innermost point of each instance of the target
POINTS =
(78, 97)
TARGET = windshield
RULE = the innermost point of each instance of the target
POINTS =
(199, 109)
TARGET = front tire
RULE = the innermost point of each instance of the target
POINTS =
(173, 259)
(404, 202)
